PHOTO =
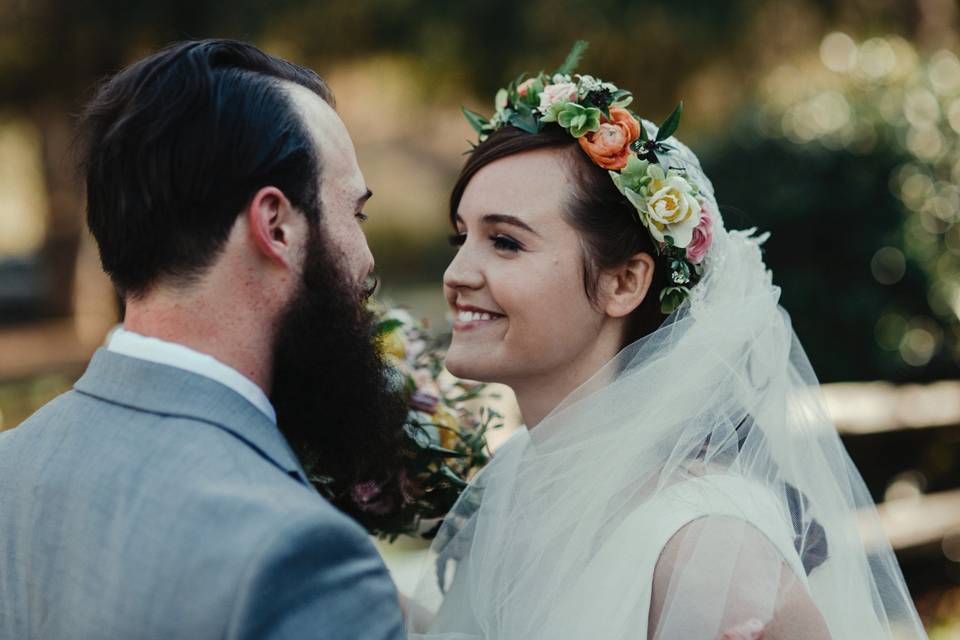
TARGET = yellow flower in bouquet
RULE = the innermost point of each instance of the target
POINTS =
(392, 344)
(448, 424)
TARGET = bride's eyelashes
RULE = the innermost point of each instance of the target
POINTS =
(505, 243)
(362, 217)
(500, 242)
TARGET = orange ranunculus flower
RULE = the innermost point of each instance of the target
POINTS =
(609, 146)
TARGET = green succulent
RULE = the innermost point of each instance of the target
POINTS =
(634, 176)
(578, 120)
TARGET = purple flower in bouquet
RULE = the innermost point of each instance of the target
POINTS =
(368, 496)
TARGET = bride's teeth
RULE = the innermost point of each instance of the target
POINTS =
(474, 316)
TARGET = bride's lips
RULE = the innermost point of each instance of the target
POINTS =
(467, 317)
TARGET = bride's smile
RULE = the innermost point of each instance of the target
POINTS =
(471, 317)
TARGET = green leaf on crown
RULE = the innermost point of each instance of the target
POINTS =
(644, 136)
(671, 298)
(572, 61)
(621, 98)
(525, 122)
(670, 124)
(477, 121)
(532, 97)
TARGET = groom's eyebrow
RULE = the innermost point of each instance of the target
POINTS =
(503, 218)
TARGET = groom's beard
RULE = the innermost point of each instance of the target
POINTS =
(329, 385)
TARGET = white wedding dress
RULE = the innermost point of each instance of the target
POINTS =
(635, 546)
(705, 449)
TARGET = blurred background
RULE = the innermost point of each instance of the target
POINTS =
(835, 125)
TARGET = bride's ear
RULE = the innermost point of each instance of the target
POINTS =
(625, 287)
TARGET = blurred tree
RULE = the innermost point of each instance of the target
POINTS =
(828, 213)
(51, 55)
(53, 51)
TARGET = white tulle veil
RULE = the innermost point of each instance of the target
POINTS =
(716, 414)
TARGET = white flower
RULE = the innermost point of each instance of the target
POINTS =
(672, 208)
(561, 78)
(556, 94)
(588, 84)
(401, 314)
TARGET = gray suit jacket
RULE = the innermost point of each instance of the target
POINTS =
(150, 502)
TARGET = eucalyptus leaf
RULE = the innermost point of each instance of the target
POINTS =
(454, 479)
(447, 453)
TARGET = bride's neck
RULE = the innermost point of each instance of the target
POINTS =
(538, 395)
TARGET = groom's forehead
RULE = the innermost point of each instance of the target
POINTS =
(341, 176)
(325, 126)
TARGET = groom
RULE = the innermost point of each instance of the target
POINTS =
(161, 497)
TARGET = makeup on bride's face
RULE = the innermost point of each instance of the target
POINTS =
(515, 287)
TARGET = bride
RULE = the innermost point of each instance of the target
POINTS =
(678, 477)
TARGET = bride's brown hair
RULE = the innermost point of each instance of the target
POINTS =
(604, 218)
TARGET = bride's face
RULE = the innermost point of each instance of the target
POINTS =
(516, 285)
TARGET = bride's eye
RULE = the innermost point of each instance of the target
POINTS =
(505, 243)
(457, 239)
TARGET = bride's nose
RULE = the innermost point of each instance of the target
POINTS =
(463, 272)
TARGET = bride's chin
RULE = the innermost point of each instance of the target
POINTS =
(466, 368)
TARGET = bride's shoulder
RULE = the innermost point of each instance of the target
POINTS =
(715, 498)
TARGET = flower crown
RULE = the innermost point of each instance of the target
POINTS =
(667, 201)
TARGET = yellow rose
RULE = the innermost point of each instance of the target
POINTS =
(672, 209)
(443, 417)
(391, 344)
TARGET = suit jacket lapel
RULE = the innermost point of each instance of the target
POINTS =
(165, 390)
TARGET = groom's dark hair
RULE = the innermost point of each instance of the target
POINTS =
(173, 147)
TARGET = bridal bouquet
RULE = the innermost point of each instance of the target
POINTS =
(444, 434)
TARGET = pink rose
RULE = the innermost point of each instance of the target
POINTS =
(368, 496)
(702, 238)
(555, 93)
(524, 87)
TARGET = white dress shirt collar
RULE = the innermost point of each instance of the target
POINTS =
(134, 345)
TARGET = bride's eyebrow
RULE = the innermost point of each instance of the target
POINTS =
(503, 218)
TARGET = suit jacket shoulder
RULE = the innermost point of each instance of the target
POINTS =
(153, 503)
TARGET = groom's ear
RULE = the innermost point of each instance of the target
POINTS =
(625, 287)
(275, 226)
